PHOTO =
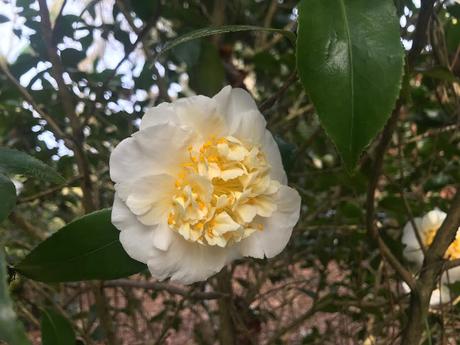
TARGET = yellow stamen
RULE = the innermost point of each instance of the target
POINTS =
(202, 193)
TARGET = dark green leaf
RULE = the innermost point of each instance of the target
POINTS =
(4, 19)
(452, 29)
(7, 196)
(71, 57)
(16, 162)
(88, 248)
(288, 152)
(123, 37)
(188, 52)
(439, 72)
(454, 10)
(11, 331)
(350, 61)
(56, 329)
(205, 32)
(207, 76)
(145, 9)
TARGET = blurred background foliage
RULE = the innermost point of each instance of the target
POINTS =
(330, 286)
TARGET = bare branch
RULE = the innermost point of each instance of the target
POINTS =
(430, 273)
(149, 285)
(29, 99)
(29, 228)
(68, 103)
(370, 202)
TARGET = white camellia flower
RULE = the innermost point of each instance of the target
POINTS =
(201, 184)
(427, 227)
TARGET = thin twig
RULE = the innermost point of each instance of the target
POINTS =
(370, 202)
(165, 287)
(269, 102)
(29, 99)
(68, 103)
(48, 192)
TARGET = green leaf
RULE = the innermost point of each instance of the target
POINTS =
(188, 52)
(210, 31)
(123, 37)
(207, 76)
(288, 153)
(454, 10)
(4, 19)
(439, 72)
(16, 162)
(145, 9)
(11, 331)
(350, 61)
(71, 57)
(87, 248)
(7, 197)
(56, 329)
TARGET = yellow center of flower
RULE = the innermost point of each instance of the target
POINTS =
(452, 252)
(223, 193)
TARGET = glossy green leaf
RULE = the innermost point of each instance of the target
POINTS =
(87, 248)
(11, 331)
(56, 329)
(208, 74)
(17, 162)
(350, 61)
(7, 196)
(210, 31)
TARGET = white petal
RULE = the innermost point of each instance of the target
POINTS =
(272, 152)
(224, 223)
(163, 236)
(277, 228)
(433, 220)
(441, 295)
(231, 173)
(412, 251)
(451, 276)
(244, 120)
(160, 114)
(265, 206)
(135, 237)
(154, 150)
(187, 262)
(150, 198)
(246, 212)
(200, 114)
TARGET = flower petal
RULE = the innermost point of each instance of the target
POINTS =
(160, 114)
(244, 120)
(200, 114)
(412, 251)
(433, 220)
(163, 236)
(135, 237)
(441, 295)
(188, 262)
(150, 198)
(146, 153)
(277, 229)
